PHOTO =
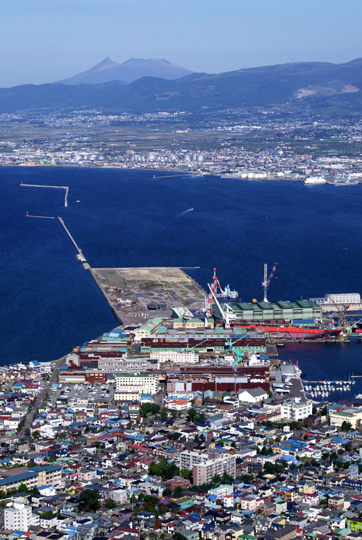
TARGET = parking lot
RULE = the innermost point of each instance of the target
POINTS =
(93, 393)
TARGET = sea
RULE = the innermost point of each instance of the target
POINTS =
(126, 218)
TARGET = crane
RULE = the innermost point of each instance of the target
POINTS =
(225, 317)
(266, 282)
(341, 308)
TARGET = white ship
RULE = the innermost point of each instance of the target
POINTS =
(314, 180)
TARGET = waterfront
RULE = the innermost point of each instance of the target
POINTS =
(127, 218)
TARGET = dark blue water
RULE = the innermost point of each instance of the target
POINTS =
(50, 304)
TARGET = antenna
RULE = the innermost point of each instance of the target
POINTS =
(266, 282)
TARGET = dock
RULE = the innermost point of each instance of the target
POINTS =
(80, 255)
(54, 187)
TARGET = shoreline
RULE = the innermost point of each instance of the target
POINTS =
(176, 171)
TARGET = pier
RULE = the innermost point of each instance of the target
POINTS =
(41, 217)
(80, 255)
(54, 187)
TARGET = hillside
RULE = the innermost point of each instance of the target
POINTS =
(311, 84)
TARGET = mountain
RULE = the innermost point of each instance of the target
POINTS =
(128, 72)
(316, 86)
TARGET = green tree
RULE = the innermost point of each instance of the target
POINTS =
(22, 489)
(185, 473)
(89, 500)
(110, 504)
(179, 536)
(165, 469)
(167, 491)
(349, 446)
(191, 414)
(346, 426)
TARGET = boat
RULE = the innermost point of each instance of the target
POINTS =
(315, 180)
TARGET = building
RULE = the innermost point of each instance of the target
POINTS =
(271, 311)
(185, 357)
(142, 383)
(203, 473)
(18, 517)
(294, 409)
(124, 395)
(188, 459)
(351, 415)
(254, 395)
(341, 298)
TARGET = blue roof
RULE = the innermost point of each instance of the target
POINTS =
(18, 478)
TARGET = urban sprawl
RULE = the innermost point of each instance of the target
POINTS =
(261, 145)
(178, 427)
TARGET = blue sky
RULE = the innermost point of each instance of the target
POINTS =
(47, 40)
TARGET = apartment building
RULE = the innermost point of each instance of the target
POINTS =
(294, 409)
(188, 459)
(143, 383)
(18, 517)
(203, 473)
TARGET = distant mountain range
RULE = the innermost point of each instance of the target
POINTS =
(320, 87)
(128, 72)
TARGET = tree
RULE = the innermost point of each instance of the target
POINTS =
(179, 536)
(346, 426)
(314, 410)
(186, 473)
(178, 490)
(167, 491)
(325, 411)
(349, 446)
(191, 414)
(22, 489)
(165, 469)
(110, 504)
(89, 500)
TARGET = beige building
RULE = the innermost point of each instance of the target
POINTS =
(203, 473)
(351, 415)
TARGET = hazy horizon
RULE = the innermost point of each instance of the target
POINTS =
(50, 41)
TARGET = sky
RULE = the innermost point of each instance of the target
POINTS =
(44, 41)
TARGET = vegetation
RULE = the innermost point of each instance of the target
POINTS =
(165, 469)
(89, 500)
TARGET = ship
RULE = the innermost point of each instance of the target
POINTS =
(314, 180)
(292, 332)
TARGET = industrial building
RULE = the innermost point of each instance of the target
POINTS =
(271, 312)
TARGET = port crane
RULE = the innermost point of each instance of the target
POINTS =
(226, 316)
(342, 309)
(265, 284)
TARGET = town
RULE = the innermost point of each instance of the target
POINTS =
(261, 144)
(176, 427)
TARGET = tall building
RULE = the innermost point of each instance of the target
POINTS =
(203, 473)
(294, 409)
(18, 517)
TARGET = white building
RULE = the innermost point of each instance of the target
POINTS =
(18, 517)
(254, 395)
(186, 357)
(295, 409)
(341, 298)
(142, 383)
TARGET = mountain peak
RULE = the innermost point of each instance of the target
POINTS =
(129, 71)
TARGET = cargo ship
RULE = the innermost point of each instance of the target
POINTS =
(291, 332)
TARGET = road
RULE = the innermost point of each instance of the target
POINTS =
(40, 396)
